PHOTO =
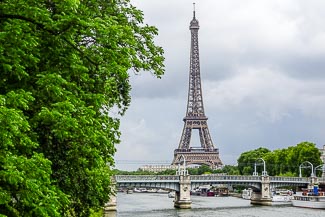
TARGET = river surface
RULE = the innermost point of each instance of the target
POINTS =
(159, 205)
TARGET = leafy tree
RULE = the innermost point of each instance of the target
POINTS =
(282, 162)
(193, 171)
(230, 170)
(247, 160)
(167, 172)
(204, 169)
(64, 67)
(304, 151)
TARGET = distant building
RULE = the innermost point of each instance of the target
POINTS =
(323, 159)
(158, 168)
(323, 154)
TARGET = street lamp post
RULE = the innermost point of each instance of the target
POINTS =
(255, 173)
(315, 170)
(312, 168)
(183, 171)
(264, 173)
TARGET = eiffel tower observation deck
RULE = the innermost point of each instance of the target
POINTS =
(195, 118)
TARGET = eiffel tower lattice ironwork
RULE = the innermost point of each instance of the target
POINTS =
(195, 117)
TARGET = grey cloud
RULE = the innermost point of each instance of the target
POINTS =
(262, 75)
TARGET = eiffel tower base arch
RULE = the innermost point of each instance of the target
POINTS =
(199, 157)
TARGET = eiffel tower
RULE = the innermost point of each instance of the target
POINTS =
(195, 118)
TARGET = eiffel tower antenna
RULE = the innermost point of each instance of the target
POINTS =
(195, 117)
(194, 10)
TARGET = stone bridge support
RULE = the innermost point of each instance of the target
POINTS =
(183, 196)
(264, 197)
(110, 207)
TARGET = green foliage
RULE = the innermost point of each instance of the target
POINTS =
(64, 67)
(281, 162)
(167, 172)
(204, 169)
(247, 159)
(26, 188)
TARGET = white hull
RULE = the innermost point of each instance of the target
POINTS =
(171, 194)
(247, 194)
(281, 198)
(309, 202)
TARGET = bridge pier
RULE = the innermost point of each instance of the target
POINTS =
(263, 197)
(183, 196)
(110, 207)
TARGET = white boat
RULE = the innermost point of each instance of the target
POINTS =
(196, 191)
(171, 194)
(152, 190)
(162, 191)
(140, 190)
(247, 194)
(282, 196)
(309, 201)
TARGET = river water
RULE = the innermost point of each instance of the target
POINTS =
(159, 205)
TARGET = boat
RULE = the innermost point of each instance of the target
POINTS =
(171, 194)
(140, 190)
(310, 199)
(282, 196)
(221, 191)
(196, 192)
(152, 190)
(129, 191)
(247, 194)
(162, 191)
(207, 191)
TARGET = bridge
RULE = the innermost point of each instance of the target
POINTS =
(171, 182)
(183, 183)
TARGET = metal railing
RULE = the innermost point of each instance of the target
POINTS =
(224, 178)
(288, 179)
(124, 178)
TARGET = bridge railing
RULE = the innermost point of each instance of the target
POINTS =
(224, 178)
(141, 178)
(288, 179)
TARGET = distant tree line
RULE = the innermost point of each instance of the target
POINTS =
(202, 169)
(280, 162)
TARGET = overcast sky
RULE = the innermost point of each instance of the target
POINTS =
(263, 78)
